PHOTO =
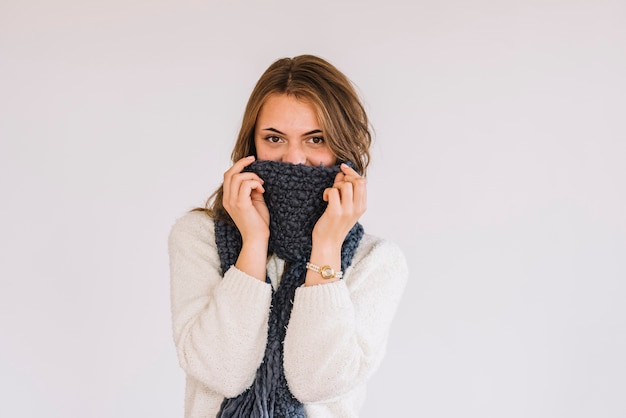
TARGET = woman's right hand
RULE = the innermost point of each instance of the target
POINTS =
(244, 202)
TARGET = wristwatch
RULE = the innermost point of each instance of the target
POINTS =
(326, 272)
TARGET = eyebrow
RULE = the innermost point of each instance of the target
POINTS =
(314, 131)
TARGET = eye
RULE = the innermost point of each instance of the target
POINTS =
(316, 140)
(273, 139)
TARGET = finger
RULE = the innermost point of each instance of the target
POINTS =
(236, 168)
(360, 194)
(351, 177)
(241, 196)
(232, 184)
(354, 196)
(347, 196)
(331, 195)
(347, 174)
(257, 194)
(244, 162)
(346, 169)
(239, 165)
(249, 186)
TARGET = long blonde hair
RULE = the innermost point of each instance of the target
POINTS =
(339, 110)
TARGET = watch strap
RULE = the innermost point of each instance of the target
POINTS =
(327, 272)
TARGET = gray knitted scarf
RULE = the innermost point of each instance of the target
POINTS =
(293, 194)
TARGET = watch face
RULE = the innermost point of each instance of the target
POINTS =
(327, 272)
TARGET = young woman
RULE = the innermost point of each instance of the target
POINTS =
(281, 303)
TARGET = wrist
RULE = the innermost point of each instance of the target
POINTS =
(257, 245)
(252, 259)
(326, 271)
(328, 257)
(255, 239)
(326, 247)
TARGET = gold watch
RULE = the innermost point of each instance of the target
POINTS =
(327, 272)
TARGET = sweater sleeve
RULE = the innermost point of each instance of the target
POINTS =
(219, 324)
(337, 333)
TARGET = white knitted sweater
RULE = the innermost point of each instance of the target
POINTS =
(335, 339)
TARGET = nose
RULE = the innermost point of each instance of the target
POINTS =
(294, 154)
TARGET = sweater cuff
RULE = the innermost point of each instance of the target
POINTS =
(245, 287)
(322, 297)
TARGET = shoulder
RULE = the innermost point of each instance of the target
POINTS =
(376, 254)
(195, 226)
(374, 248)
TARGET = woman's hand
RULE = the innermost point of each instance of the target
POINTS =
(243, 200)
(347, 201)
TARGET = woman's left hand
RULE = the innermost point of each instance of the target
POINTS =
(347, 201)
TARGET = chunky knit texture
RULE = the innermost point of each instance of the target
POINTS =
(293, 194)
(336, 336)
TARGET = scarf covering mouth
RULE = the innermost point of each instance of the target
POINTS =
(293, 195)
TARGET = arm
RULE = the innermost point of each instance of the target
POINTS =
(219, 324)
(338, 332)
(347, 201)
(244, 202)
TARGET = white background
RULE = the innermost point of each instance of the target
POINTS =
(498, 167)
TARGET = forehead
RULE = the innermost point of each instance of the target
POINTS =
(288, 110)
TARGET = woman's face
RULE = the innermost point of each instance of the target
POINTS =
(287, 130)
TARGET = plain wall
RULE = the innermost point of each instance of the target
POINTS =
(498, 166)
